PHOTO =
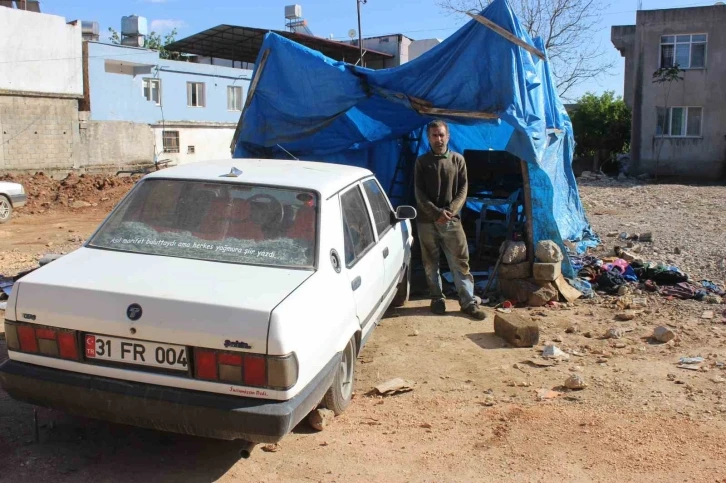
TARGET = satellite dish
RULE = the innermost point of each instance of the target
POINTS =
(352, 33)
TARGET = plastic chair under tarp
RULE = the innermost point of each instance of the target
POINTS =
(486, 227)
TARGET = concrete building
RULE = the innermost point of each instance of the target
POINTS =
(192, 108)
(401, 48)
(680, 126)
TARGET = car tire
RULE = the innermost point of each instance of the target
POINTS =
(403, 290)
(6, 209)
(338, 397)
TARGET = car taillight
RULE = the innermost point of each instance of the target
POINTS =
(47, 341)
(242, 368)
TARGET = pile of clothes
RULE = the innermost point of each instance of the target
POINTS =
(609, 274)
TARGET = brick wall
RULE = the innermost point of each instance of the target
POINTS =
(49, 134)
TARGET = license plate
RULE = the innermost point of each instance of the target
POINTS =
(128, 351)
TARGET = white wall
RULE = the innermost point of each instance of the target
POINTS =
(39, 53)
(419, 47)
(210, 143)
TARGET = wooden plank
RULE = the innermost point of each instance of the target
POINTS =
(250, 93)
(528, 212)
(507, 35)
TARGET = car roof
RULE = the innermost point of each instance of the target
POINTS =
(325, 178)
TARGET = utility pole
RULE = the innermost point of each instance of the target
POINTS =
(360, 34)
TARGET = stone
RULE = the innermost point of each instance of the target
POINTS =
(514, 271)
(548, 252)
(320, 419)
(625, 316)
(514, 252)
(547, 271)
(551, 351)
(677, 251)
(624, 290)
(713, 299)
(517, 290)
(80, 204)
(614, 333)
(663, 334)
(542, 295)
(516, 330)
(575, 382)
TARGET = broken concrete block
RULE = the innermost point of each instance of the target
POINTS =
(514, 252)
(542, 295)
(547, 271)
(548, 252)
(517, 290)
(516, 330)
(518, 270)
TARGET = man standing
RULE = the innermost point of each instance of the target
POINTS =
(441, 188)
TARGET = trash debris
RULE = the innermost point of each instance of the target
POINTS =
(575, 382)
(320, 419)
(271, 448)
(540, 363)
(691, 360)
(713, 299)
(395, 386)
(708, 314)
(545, 394)
(504, 311)
(3, 305)
(663, 334)
(551, 351)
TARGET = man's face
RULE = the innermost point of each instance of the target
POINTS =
(438, 139)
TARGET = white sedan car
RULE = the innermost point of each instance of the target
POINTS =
(12, 195)
(221, 299)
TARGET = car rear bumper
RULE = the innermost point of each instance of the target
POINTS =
(163, 408)
(18, 200)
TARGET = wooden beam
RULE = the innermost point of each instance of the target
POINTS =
(424, 107)
(529, 226)
(507, 35)
(248, 100)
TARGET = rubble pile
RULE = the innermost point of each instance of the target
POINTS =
(73, 192)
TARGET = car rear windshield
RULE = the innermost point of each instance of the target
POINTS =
(224, 222)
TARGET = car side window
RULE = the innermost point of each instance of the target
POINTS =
(358, 232)
(379, 205)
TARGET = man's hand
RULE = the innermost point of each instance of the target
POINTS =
(446, 216)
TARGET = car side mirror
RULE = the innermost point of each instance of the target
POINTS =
(405, 212)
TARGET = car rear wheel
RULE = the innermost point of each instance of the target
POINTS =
(403, 290)
(338, 397)
(6, 209)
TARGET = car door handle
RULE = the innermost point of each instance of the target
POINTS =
(355, 283)
(385, 252)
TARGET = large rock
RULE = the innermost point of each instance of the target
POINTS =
(516, 330)
(548, 252)
(547, 271)
(517, 290)
(514, 252)
(663, 334)
(542, 295)
(517, 270)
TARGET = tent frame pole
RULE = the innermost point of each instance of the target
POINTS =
(528, 212)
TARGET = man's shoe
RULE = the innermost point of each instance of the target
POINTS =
(475, 311)
(438, 306)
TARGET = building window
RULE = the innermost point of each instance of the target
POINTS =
(686, 51)
(152, 90)
(170, 140)
(234, 98)
(190, 150)
(195, 94)
(679, 121)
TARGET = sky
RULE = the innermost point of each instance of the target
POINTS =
(418, 19)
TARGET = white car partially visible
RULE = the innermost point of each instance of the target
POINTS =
(222, 299)
(12, 195)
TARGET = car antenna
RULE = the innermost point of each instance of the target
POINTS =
(288, 152)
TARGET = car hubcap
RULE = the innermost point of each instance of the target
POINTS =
(4, 209)
(346, 371)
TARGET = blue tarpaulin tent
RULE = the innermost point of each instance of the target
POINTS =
(494, 88)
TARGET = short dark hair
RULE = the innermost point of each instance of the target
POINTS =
(437, 123)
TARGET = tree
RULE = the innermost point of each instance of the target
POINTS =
(154, 41)
(601, 125)
(566, 27)
(667, 76)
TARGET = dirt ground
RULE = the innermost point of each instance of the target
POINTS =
(474, 414)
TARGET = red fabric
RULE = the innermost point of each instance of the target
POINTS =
(240, 224)
(212, 227)
(303, 228)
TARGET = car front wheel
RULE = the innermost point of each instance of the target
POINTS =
(338, 397)
(6, 209)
